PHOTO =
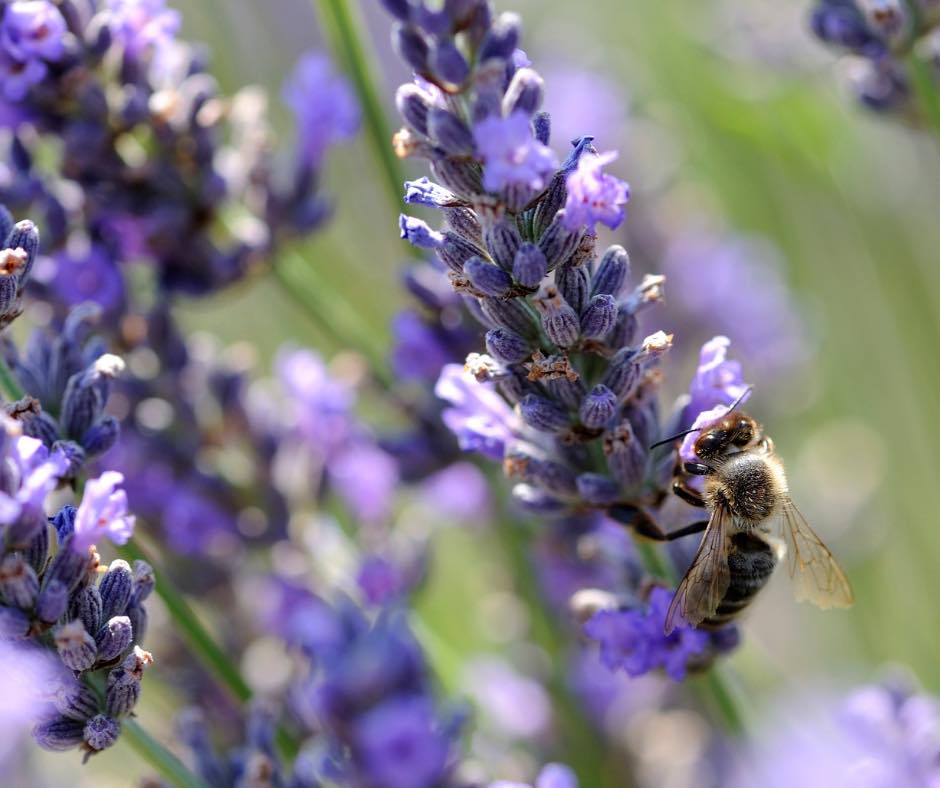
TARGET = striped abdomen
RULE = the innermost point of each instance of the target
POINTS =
(751, 561)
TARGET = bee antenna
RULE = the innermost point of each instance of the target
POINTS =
(678, 435)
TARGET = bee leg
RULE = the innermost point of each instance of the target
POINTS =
(646, 527)
(696, 468)
(688, 495)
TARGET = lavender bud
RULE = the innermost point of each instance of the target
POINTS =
(14, 624)
(52, 602)
(543, 414)
(556, 194)
(10, 263)
(75, 701)
(113, 638)
(418, 232)
(138, 616)
(598, 408)
(101, 436)
(6, 226)
(554, 477)
(529, 265)
(509, 315)
(448, 63)
(625, 328)
(425, 192)
(86, 605)
(623, 372)
(503, 241)
(524, 92)
(144, 582)
(414, 107)
(626, 457)
(101, 732)
(116, 588)
(464, 222)
(507, 347)
(41, 426)
(597, 489)
(124, 682)
(514, 385)
(400, 9)
(599, 317)
(37, 552)
(461, 176)
(75, 646)
(542, 125)
(411, 47)
(24, 236)
(612, 273)
(86, 394)
(572, 282)
(486, 277)
(558, 242)
(64, 523)
(68, 566)
(455, 251)
(18, 582)
(537, 501)
(502, 39)
(74, 455)
(559, 320)
(450, 132)
(59, 734)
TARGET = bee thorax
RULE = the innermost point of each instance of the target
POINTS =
(749, 487)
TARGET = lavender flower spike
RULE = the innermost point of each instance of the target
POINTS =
(103, 513)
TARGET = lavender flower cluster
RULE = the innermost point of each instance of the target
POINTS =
(883, 39)
(51, 590)
(566, 396)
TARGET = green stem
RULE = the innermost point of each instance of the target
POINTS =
(197, 637)
(161, 759)
(331, 312)
(714, 689)
(342, 25)
(8, 382)
(925, 86)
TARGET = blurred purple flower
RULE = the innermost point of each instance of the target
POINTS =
(299, 617)
(515, 705)
(878, 737)
(511, 154)
(321, 404)
(194, 524)
(366, 478)
(459, 491)
(480, 418)
(102, 513)
(401, 745)
(27, 683)
(418, 353)
(746, 297)
(717, 380)
(324, 106)
(380, 581)
(16, 79)
(92, 277)
(582, 102)
(634, 641)
(142, 25)
(553, 775)
(593, 196)
(32, 29)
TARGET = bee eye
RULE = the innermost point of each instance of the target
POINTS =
(708, 444)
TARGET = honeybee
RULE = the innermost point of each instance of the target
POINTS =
(747, 497)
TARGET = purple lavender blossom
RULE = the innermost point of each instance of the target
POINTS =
(480, 418)
(16, 79)
(401, 745)
(143, 26)
(418, 233)
(459, 491)
(511, 154)
(103, 513)
(594, 196)
(380, 581)
(513, 704)
(717, 380)
(25, 681)
(31, 473)
(418, 353)
(634, 641)
(32, 30)
(552, 775)
(324, 106)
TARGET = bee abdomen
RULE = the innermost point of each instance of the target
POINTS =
(751, 561)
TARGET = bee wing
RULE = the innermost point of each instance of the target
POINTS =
(706, 581)
(819, 578)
